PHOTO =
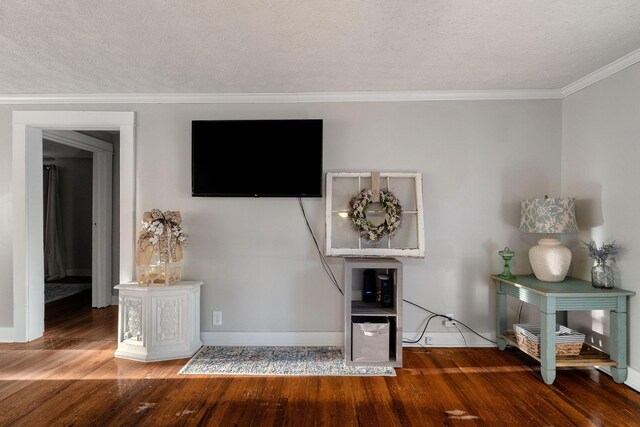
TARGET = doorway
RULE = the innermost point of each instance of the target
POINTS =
(74, 180)
(28, 271)
(97, 207)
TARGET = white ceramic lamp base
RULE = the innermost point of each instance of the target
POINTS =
(549, 260)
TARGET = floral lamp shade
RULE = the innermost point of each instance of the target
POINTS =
(548, 215)
(549, 259)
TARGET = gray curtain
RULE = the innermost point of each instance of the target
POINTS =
(53, 239)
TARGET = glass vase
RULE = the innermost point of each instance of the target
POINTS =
(602, 275)
(159, 272)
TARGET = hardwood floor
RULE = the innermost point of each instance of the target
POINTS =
(70, 378)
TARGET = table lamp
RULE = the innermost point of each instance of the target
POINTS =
(549, 260)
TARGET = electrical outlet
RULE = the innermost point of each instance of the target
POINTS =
(428, 340)
(217, 318)
(449, 323)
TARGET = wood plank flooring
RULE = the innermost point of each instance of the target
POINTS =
(70, 378)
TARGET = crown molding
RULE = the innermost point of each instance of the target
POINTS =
(266, 98)
(307, 97)
(609, 69)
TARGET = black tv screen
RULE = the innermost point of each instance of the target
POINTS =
(256, 158)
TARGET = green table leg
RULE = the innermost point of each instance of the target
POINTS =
(501, 317)
(618, 332)
(548, 340)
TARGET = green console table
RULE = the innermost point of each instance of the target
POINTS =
(568, 295)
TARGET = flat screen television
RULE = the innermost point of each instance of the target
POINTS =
(256, 158)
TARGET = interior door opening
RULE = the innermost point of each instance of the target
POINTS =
(77, 219)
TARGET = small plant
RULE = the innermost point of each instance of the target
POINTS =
(603, 252)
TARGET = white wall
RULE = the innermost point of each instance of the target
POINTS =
(478, 159)
(601, 151)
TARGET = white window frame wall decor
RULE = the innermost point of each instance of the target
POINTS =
(407, 241)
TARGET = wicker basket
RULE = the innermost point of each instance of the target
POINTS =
(568, 341)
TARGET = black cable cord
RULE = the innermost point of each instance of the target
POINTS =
(323, 261)
(421, 307)
(471, 330)
(462, 335)
(434, 314)
(423, 331)
(333, 279)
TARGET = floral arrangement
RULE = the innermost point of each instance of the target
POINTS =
(603, 252)
(358, 207)
(155, 230)
(161, 231)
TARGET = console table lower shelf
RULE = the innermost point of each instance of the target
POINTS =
(589, 356)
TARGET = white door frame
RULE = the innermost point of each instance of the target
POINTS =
(101, 195)
(26, 189)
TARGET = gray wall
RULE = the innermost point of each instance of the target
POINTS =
(258, 262)
(601, 150)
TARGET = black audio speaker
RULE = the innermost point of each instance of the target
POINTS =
(369, 286)
(386, 290)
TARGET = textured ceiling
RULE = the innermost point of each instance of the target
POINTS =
(283, 46)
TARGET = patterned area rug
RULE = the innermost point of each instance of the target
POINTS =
(268, 360)
(56, 291)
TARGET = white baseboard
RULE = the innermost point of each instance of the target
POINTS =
(6, 334)
(273, 338)
(439, 339)
(448, 339)
(633, 377)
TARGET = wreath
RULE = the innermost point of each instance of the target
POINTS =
(358, 214)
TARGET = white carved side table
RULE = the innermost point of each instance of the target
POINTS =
(158, 322)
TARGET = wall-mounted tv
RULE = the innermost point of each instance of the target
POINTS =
(256, 158)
